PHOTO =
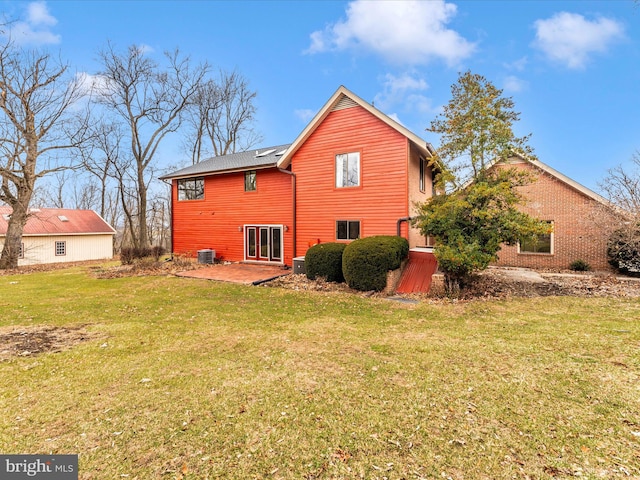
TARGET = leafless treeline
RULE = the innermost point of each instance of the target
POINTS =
(91, 141)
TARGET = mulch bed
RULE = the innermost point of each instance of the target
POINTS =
(492, 284)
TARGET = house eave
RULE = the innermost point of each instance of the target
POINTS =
(219, 172)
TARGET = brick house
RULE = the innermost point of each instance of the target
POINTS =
(580, 218)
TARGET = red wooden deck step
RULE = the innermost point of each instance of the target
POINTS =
(416, 277)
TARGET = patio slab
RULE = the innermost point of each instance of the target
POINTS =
(245, 273)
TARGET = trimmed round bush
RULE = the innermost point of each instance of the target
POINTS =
(325, 260)
(366, 261)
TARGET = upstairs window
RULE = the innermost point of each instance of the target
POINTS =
(538, 244)
(250, 181)
(191, 188)
(347, 230)
(348, 170)
(423, 170)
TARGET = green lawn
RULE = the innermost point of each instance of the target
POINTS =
(195, 379)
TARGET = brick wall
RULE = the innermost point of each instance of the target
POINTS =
(580, 224)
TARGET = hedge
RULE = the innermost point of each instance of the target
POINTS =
(366, 261)
(325, 260)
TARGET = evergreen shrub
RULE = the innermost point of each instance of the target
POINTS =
(325, 260)
(366, 261)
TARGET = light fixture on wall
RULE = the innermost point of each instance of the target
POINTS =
(286, 228)
(240, 228)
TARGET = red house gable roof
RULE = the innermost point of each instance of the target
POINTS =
(343, 98)
(59, 221)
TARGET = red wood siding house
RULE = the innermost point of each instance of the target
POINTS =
(352, 172)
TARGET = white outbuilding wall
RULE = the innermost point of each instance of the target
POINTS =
(77, 248)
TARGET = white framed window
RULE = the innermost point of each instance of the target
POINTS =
(21, 251)
(348, 170)
(540, 244)
(61, 249)
(423, 171)
(250, 184)
(347, 229)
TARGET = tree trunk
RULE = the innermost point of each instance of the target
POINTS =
(13, 239)
(143, 236)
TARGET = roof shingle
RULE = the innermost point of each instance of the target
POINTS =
(252, 159)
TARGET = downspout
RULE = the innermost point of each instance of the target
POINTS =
(171, 222)
(399, 225)
(293, 193)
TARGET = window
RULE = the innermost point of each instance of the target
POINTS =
(21, 251)
(347, 230)
(539, 243)
(422, 174)
(348, 170)
(61, 248)
(191, 188)
(250, 181)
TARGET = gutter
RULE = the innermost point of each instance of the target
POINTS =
(293, 193)
(399, 224)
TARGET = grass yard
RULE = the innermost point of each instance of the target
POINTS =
(192, 379)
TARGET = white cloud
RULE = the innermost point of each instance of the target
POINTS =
(517, 65)
(410, 32)
(420, 103)
(514, 84)
(144, 49)
(38, 14)
(394, 116)
(305, 114)
(570, 38)
(35, 28)
(396, 89)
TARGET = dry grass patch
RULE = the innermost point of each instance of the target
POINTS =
(194, 379)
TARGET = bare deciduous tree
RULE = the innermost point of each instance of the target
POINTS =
(221, 118)
(101, 153)
(622, 186)
(149, 102)
(37, 126)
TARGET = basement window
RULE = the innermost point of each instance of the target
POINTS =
(191, 188)
(347, 229)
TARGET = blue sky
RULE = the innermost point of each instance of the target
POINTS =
(572, 67)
